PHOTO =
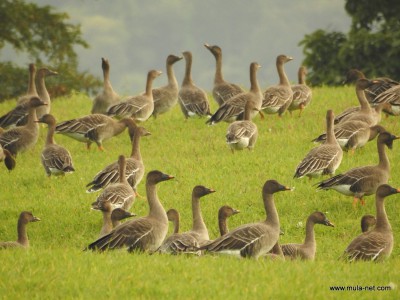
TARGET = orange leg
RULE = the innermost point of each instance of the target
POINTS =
(355, 202)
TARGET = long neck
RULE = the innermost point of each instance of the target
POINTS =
(32, 118)
(106, 78)
(118, 127)
(149, 84)
(31, 85)
(382, 221)
(270, 210)
(135, 153)
(363, 101)
(283, 80)
(310, 235)
(171, 75)
(383, 159)
(223, 227)
(22, 235)
(254, 87)
(330, 134)
(176, 225)
(218, 69)
(156, 208)
(121, 172)
(42, 90)
(50, 134)
(188, 77)
(198, 223)
(107, 223)
(301, 77)
(247, 113)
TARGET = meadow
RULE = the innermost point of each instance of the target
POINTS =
(56, 267)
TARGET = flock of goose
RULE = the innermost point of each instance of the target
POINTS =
(117, 182)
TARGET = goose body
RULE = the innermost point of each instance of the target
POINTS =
(302, 93)
(392, 97)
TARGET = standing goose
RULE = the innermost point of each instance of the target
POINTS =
(255, 239)
(108, 96)
(302, 93)
(192, 99)
(112, 217)
(119, 194)
(21, 138)
(277, 98)
(188, 242)
(22, 242)
(306, 251)
(392, 97)
(222, 90)
(324, 159)
(141, 234)
(166, 97)
(93, 128)
(363, 181)
(56, 160)
(42, 91)
(223, 214)
(367, 222)
(134, 166)
(376, 244)
(233, 109)
(138, 107)
(243, 134)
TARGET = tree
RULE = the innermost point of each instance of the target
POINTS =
(45, 36)
(371, 45)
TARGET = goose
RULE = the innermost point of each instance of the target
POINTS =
(392, 97)
(188, 242)
(112, 217)
(306, 251)
(376, 244)
(174, 217)
(166, 97)
(277, 98)
(192, 99)
(254, 239)
(367, 222)
(95, 128)
(56, 160)
(222, 90)
(134, 166)
(119, 194)
(376, 112)
(302, 93)
(108, 96)
(138, 107)
(142, 234)
(243, 134)
(324, 159)
(233, 109)
(223, 214)
(22, 242)
(42, 73)
(21, 138)
(363, 181)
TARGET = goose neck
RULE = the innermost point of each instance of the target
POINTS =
(22, 235)
(310, 234)
(107, 223)
(135, 153)
(198, 222)
(270, 210)
(156, 209)
(283, 79)
(382, 221)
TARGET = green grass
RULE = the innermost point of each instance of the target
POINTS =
(56, 267)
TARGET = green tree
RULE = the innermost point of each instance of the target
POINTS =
(371, 45)
(46, 37)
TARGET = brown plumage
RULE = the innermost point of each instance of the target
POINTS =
(224, 213)
(112, 217)
(367, 222)
(42, 73)
(302, 93)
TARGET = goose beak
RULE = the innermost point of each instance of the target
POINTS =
(211, 191)
(286, 188)
(236, 211)
(35, 219)
(329, 223)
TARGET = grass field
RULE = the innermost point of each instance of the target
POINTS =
(56, 267)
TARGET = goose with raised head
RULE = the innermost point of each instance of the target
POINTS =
(233, 109)
(224, 213)
(367, 222)
(42, 73)
(22, 242)
(94, 128)
(375, 244)
(363, 181)
(222, 90)
(166, 97)
(56, 160)
(324, 159)
(189, 242)
(138, 107)
(21, 138)
(119, 194)
(254, 239)
(192, 99)
(108, 96)
(142, 234)
(134, 165)
(243, 134)
(302, 93)
(277, 98)
(307, 250)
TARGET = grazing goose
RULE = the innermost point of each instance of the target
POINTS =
(9, 160)
(21, 138)
(188, 242)
(223, 214)
(93, 128)
(108, 96)
(42, 91)
(324, 159)
(56, 160)
(192, 99)
(233, 109)
(302, 93)
(243, 134)
(138, 107)
(112, 217)
(277, 98)
(376, 244)
(144, 233)
(392, 97)
(222, 90)
(119, 194)
(134, 166)
(367, 222)
(22, 242)
(363, 181)
(255, 239)
(174, 217)
(306, 251)
(166, 97)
